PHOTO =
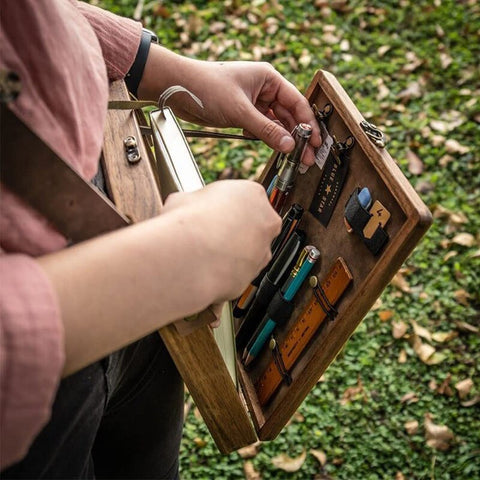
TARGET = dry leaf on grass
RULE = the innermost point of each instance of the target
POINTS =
(288, 464)
(463, 388)
(439, 437)
(415, 165)
(351, 393)
(250, 472)
(400, 282)
(444, 388)
(421, 331)
(472, 402)
(466, 327)
(402, 356)
(442, 337)
(452, 146)
(464, 239)
(462, 296)
(411, 427)
(399, 329)
(320, 455)
(249, 451)
(385, 315)
(410, 397)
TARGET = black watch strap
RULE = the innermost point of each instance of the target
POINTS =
(134, 75)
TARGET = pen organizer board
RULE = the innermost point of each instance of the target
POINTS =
(237, 415)
(369, 165)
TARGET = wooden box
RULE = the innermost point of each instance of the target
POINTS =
(234, 418)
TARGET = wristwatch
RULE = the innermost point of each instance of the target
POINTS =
(134, 75)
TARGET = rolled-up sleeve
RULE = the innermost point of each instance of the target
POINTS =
(119, 38)
(31, 353)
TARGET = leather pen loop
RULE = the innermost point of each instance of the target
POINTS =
(166, 94)
(278, 360)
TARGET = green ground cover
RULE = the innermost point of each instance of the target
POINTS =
(386, 408)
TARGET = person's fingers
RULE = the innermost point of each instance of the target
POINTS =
(284, 116)
(273, 134)
(289, 98)
(216, 309)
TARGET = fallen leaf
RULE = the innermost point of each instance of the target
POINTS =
(438, 140)
(442, 337)
(452, 146)
(320, 455)
(399, 329)
(385, 315)
(288, 464)
(400, 282)
(444, 388)
(445, 60)
(413, 62)
(464, 239)
(415, 165)
(383, 50)
(449, 255)
(250, 472)
(298, 417)
(411, 427)
(413, 90)
(249, 451)
(466, 327)
(423, 350)
(421, 331)
(438, 437)
(199, 442)
(352, 392)
(408, 398)
(402, 356)
(436, 358)
(463, 387)
(378, 304)
(472, 402)
(432, 384)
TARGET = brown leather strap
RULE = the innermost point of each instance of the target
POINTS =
(31, 169)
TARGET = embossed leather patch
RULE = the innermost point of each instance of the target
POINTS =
(329, 188)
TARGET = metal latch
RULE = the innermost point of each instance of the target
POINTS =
(374, 133)
(131, 149)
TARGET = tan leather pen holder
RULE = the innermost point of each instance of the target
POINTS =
(235, 417)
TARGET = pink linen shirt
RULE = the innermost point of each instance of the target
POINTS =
(64, 52)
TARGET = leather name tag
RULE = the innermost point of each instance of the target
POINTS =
(379, 218)
(329, 188)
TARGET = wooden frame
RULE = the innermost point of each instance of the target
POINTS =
(197, 356)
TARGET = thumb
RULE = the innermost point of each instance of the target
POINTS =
(273, 134)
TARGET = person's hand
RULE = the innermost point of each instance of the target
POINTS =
(249, 95)
(231, 226)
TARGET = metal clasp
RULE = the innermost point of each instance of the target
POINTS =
(374, 133)
(340, 149)
(322, 115)
(131, 149)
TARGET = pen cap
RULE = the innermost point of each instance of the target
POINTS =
(288, 169)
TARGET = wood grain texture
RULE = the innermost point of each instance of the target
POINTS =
(369, 166)
(134, 190)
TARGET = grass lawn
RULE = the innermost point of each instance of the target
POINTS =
(382, 410)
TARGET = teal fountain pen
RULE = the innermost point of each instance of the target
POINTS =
(299, 273)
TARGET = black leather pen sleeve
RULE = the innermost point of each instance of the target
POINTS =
(279, 309)
(255, 313)
(357, 217)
